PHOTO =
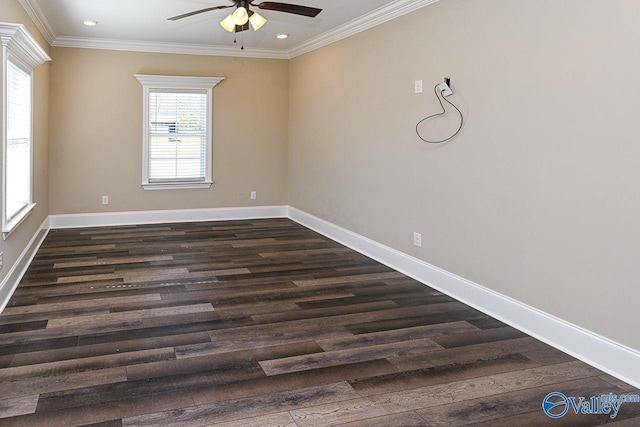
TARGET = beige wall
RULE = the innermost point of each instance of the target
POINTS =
(12, 12)
(538, 198)
(96, 131)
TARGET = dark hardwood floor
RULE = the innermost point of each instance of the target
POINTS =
(247, 323)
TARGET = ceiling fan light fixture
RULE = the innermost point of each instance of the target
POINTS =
(240, 16)
(257, 21)
(228, 23)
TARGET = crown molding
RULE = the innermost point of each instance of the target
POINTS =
(35, 12)
(379, 16)
(161, 47)
(370, 20)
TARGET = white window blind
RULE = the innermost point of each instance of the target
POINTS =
(177, 135)
(18, 145)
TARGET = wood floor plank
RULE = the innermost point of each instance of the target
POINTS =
(282, 419)
(104, 411)
(48, 309)
(87, 364)
(112, 261)
(126, 334)
(243, 408)
(360, 409)
(386, 337)
(484, 409)
(342, 320)
(21, 387)
(367, 307)
(171, 381)
(252, 342)
(244, 357)
(476, 352)
(258, 322)
(348, 279)
(432, 318)
(110, 318)
(292, 381)
(546, 375)
(402, 419)
(18, 406)
(629, 422)
(406, 380)
(21, 326)
(124, 346)
(331, 358)
(548, 356)
(629, 414)
(478, 337)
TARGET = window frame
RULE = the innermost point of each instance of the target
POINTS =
(179, 84)
(20, 49)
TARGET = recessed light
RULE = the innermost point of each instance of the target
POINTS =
(89, 23)
(282, 36)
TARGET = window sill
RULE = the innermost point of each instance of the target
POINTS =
(176, 185)
(9, 227)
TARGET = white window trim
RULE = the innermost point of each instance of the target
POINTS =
(150, 82)
(23, 50)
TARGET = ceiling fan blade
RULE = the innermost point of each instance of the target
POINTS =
(175, 18)
(311, 12)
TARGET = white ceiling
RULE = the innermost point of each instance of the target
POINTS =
(142, 25)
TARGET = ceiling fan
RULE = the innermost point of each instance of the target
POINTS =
(239, 19)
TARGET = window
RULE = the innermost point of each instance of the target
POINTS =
(20, 55)
(177, 131)
(18, 142)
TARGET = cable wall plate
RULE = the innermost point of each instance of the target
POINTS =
(445, 89)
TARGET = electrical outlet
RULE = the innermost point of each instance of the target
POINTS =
(445, 87)
(418, 86)
(105, 200)
(254, 195)
(417, 240)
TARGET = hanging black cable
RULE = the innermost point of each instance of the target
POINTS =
(435, 89)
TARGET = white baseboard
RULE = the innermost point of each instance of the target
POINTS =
(600, 352)
(13, 277)
(165, 216)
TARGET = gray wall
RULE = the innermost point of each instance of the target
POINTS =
(538, 198)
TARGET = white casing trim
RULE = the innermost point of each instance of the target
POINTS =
(19, 267)
(165, 216)
(598, 351)
(19, 42)
(203, 85)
